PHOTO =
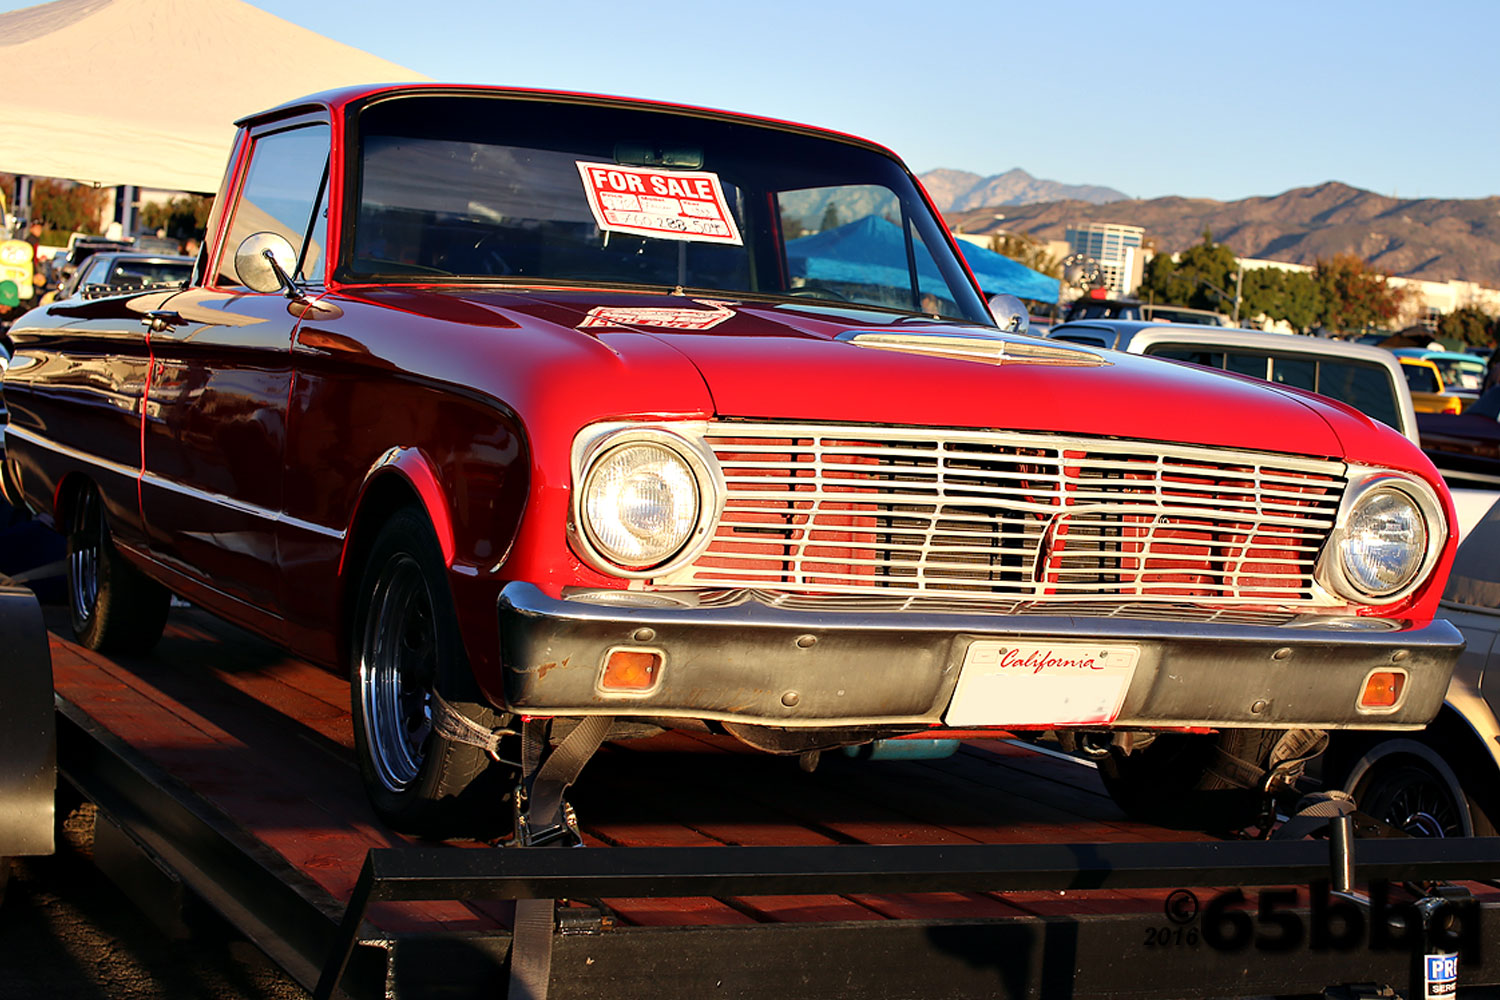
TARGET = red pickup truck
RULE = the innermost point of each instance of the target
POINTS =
(524, 406)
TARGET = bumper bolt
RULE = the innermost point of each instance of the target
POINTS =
(643, 634)
(807, 641)
(1400, 656)
(1283, 653)
(790, 699)
(1258, 707)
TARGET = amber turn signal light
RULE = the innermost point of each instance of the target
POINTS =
(1383, 689)
(631, 670)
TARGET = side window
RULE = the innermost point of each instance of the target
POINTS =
(1082, 338)
(280, 193)
(1300, 373)
(1181, 352)
(1247, 364)
(1420, 379)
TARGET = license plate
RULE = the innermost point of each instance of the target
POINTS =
(1041, 684)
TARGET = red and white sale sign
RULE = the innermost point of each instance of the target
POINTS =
(666, 204)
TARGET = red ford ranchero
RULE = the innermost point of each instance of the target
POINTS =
(553, 417)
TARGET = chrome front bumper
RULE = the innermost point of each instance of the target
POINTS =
(752, 662)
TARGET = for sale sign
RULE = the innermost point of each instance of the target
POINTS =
(666, 204)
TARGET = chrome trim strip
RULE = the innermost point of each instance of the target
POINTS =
(151, 479)
(239, 506)
(129, 471)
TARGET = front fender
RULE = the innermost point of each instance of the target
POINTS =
(417, 470)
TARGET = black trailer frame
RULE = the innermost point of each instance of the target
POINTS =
(193, 846)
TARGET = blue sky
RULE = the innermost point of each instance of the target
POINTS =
(1197, 99)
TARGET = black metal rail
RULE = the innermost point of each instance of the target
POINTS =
(428, 874)
(1080, 957)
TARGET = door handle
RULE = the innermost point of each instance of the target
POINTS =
(159, 320)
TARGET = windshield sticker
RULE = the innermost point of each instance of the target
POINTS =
(665, 204)
(663, 318)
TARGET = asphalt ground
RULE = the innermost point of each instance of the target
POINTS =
(67, 933)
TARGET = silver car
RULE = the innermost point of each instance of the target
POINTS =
(1445, 780)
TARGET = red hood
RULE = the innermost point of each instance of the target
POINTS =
(788, 362)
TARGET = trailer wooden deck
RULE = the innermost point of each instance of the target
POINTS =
(231, 765)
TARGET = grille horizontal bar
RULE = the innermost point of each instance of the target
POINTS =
(976, 515)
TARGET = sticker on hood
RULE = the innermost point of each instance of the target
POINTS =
(664, 204)
(661, 317)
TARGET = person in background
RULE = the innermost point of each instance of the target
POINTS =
(190, 246)
(38, 266)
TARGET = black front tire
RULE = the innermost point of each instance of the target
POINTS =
(113, 607)
(1173, 782)
(405, 646)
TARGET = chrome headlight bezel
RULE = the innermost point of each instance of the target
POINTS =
(1364, 485)
(685, 442)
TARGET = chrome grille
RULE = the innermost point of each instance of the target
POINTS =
(821, 509)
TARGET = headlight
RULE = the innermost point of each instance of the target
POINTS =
(641, 500)
(1390, 534)
(1384, 542)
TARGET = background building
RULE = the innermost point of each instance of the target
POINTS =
(1118, 249)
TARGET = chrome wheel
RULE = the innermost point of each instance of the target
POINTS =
(86, 542)
(397, 670)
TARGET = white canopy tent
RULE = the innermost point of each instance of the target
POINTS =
(145, 92)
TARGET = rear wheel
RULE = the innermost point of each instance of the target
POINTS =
(406, 648)
(113, 606)
(1179, 780)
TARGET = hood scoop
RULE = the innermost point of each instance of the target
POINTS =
(974, 347)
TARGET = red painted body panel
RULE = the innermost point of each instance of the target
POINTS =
(266, 435)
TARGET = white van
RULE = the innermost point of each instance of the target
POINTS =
(1367, 378)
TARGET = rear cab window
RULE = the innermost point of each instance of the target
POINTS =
(1364, 385)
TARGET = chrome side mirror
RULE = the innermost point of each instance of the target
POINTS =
(1010, 313)
(264, 262)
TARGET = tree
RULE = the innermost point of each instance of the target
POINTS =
(830, 218)
(1292, 297)
(180, 217)
(1190, 280)
(1355, 295)
(1027, 250)
(1468, 324)
(63, 206)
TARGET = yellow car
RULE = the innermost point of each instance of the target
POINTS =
(1428, 393)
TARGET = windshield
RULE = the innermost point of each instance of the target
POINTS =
(507, 190)
(1459, 373)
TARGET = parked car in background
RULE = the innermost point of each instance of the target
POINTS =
(523, 408)
(1462, 373)
(1445, 780)
(1182, 314)
(114, 272)
(1429, 393)
(1095, 304)
(1366, 378)
(1465, 446)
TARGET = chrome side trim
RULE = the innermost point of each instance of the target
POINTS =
(151, 479)
(240, 506)
(30, 437)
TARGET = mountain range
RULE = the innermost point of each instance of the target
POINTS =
(1430, 238)
(961, 191)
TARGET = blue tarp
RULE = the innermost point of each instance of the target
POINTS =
(872, 251)
(999, 274)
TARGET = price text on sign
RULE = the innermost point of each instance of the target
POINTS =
(665, 204)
